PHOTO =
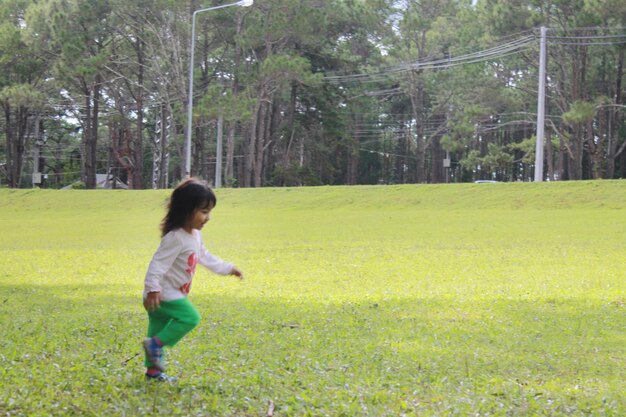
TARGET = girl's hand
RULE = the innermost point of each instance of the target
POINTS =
(152, 301)
(236, 272)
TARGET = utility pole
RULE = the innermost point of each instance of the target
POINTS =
(541, 108)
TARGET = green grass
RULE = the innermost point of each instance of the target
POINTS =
(474, 299)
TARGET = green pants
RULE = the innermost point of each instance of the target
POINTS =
(172, 321)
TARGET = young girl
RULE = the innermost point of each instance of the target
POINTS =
(168, 281)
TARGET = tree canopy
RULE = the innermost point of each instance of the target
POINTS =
(309, 92)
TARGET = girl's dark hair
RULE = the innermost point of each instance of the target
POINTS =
(189, 195)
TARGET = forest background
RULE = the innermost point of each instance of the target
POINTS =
(309, 92)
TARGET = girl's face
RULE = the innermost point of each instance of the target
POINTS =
(198, 219)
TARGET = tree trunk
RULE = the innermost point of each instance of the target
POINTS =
(138, 145)
(290, 128)
(232, 125)
(12, 149)
(15, 132)
(417, 103)
(352, 169)
(90, 133)
(615, 119)
(199, 160)
(436, 169)
(597, 155)
(261, 141)
(230, 155)
(550, 157)
(250, 151)
(573, 152)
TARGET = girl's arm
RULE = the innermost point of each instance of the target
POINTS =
(216, 265)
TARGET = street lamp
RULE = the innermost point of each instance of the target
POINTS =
(242, 3)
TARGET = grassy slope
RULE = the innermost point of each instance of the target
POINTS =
(437, 299)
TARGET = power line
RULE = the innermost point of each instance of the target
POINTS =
(588, 28)
(499, 51)
(587, 37)
(502, 50)
(590, 43)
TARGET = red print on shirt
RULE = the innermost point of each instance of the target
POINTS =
(192, 261)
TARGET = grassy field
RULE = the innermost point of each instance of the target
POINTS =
(417, 300)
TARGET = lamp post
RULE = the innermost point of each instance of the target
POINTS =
(242, 3)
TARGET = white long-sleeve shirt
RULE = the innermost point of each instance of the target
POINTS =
(174, 263)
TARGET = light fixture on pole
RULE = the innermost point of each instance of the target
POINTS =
(241, 3)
